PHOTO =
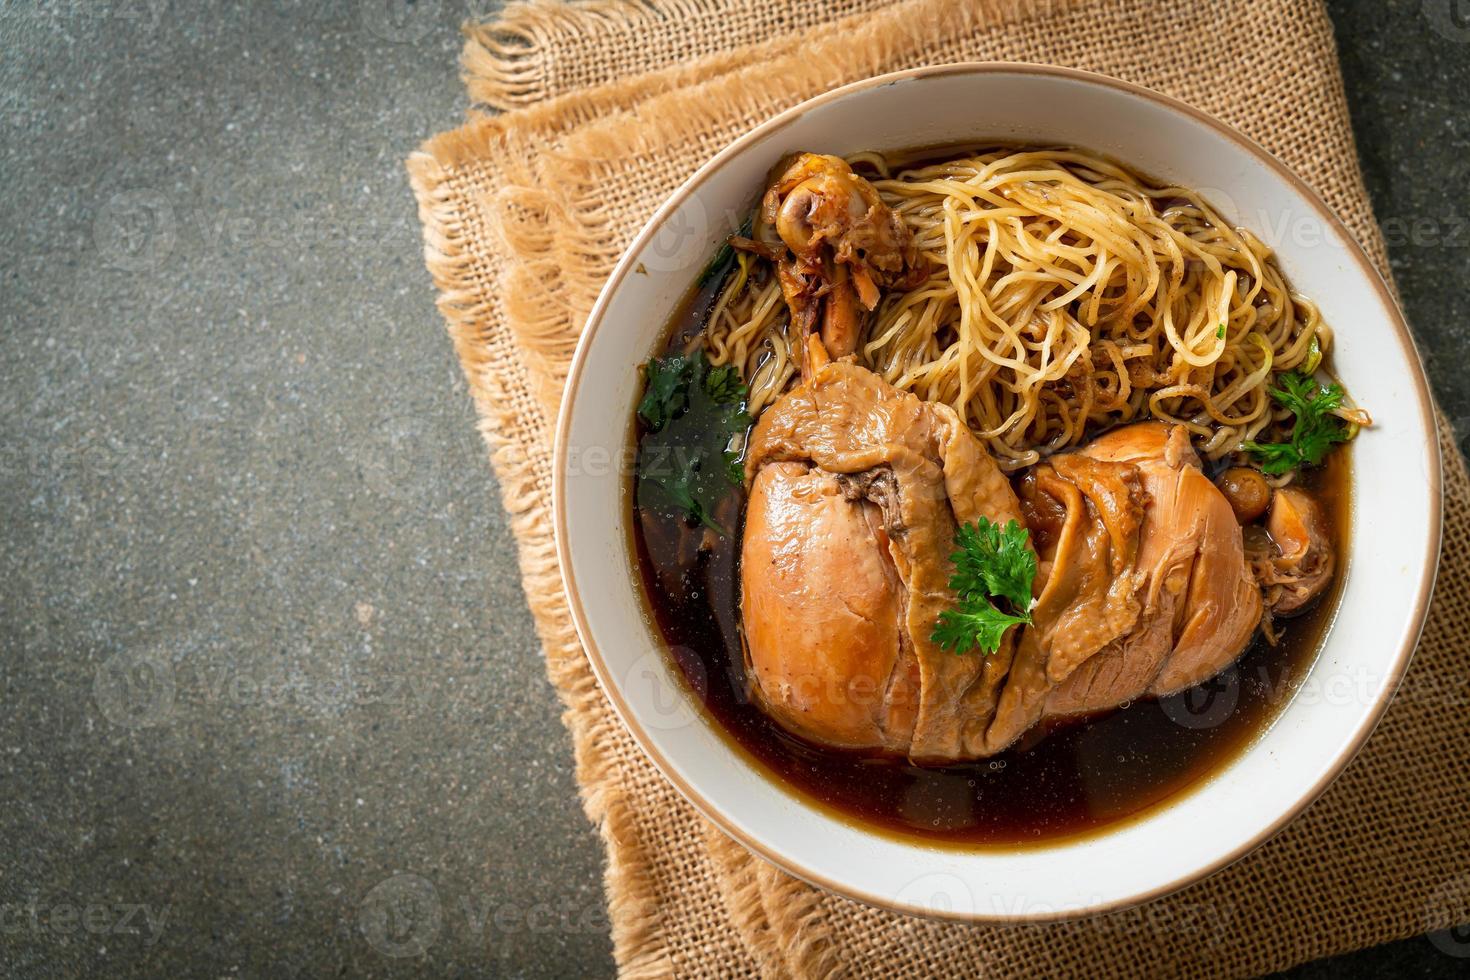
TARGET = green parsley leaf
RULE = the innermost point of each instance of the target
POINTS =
(685, 466)
(974, 625)
(1313, 434)
(1220, 331)
(667, 392)
(992, 562)
(724, 385)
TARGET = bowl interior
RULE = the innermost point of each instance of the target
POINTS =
(1394, 534)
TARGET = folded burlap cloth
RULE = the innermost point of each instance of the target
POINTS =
(614, 103)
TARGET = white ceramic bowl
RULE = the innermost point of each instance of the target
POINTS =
(1395, 521)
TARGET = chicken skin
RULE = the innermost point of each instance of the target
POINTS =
(1143, 588)
(856, 491)
(835, 244)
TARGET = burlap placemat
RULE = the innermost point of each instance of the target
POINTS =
(525, 214)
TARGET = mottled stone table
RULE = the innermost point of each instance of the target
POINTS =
(269, 684)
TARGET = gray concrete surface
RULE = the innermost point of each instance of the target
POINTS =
(272, 705)
(264, 648)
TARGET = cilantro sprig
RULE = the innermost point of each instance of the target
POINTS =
(690, 411)
(666, 391)
(992, 562)
(1315, 431)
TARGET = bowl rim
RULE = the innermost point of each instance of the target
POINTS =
(1421, 393)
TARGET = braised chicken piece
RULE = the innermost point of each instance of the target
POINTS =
(824, 612)
(1192, 548)
(835, 244)
(1147, 591)
(1085, 516)
(855, 491)
(1296, 565)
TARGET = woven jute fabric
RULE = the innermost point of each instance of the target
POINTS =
(616, 102)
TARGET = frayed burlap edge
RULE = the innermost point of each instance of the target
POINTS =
(537, 294)
(534, 50)
(778, 917)
(632, 906)
(742, 84)
(775, 915)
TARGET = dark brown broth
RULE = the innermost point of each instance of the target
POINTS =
(1067, 778)
(1078, 777)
